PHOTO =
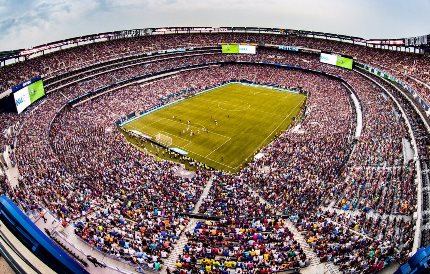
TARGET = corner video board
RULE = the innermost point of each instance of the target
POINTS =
(336, 60)
(238, 49)
(27, 93)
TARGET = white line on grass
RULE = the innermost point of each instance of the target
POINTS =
(188, 141)
(248, 107)
(135, 128)
(218, 147)
(183, 148)
(197, 127)
(212, 160)
(229, 102)
(258, 147)
(266, 112)
(143, 125)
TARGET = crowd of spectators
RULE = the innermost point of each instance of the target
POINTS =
(382, 227)
(261, 245)
(231, 197)
(131, 206)
(400, 64)
(352, 251)
(385, 190)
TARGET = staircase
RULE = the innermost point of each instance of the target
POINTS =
(315, 265)
(179, 246)
(204, 195)
(310, 254)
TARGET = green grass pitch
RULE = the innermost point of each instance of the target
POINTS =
(238, 120)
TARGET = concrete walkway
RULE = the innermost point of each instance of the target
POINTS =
(11, 172)
(204, 194)
(179, 246)
(315, 266)
(371, 213)
(69, 239)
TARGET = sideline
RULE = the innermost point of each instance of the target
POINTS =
(202, 92)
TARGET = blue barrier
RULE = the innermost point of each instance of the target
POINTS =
(417, 264)
(35, 240)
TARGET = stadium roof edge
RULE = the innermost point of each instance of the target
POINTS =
(419, 41)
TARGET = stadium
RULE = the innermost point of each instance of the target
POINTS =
(216, 150)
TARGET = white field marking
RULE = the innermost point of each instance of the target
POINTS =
(212, 160)
(248, 107)
(197, 127)
(154, 122)
(183, 148)
(143, 125)
(135, 128)
(266, 93)
(241, 105)
(218, 147)
(140, 148)
(257, 108)
(258, 147)
(255, 92)
(143, 131)
(190, 142)
(169, 134)
(269, 113)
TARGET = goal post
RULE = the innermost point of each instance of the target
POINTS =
(164, 139)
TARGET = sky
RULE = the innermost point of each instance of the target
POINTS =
(27, 23)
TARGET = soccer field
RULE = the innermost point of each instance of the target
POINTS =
(223, 127)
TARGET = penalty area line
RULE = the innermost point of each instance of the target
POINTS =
(270, 134)
(229, 138)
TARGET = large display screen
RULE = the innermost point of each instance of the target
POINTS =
(28, 93)
(336, 60)
(344, 62)
(230, 48)
(236, 49)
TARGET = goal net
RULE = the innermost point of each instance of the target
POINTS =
(163, 139)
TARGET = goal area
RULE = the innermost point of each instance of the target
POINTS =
(163, 139)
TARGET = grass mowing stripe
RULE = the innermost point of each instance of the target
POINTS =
(238, 119)
(276, 128)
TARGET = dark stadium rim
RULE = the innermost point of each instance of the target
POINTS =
(201, 141)
(17, 55)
